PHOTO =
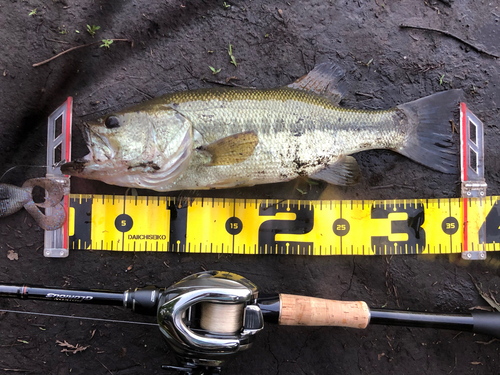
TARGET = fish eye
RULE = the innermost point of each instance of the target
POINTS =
(112, 122)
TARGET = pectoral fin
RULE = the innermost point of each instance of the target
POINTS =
(233, 149)
(344, 172)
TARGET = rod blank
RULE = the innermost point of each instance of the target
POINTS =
(95, 297)
(477, 322)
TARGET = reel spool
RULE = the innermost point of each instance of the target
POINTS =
(207, 318)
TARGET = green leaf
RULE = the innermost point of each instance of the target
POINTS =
(214, 71)
(301, 191)
(106, 43)
(233, 60)
(92, 29)
(312, 182)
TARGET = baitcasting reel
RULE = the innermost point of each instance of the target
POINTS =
(208, 317)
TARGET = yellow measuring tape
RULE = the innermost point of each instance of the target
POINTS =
(308, 227)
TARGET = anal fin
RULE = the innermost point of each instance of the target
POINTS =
(344, 172)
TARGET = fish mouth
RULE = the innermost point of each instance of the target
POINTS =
(75, 167)
(100, 153)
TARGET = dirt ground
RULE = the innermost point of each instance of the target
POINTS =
(274, 42)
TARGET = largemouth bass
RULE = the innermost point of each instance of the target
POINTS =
(222, 138)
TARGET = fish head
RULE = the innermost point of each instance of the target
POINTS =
(143, 148)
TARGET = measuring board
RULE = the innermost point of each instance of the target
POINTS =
(468, 225)
(244, 226)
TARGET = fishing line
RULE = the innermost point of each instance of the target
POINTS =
(221, 318)
(79, 317)
(18, 166)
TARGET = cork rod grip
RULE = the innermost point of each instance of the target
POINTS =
(309, 311)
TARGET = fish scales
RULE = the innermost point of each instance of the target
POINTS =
(229, 137)
(299, 133)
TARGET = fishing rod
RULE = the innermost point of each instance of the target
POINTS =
(209, 317)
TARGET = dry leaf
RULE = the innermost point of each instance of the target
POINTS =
(476, 363)
(71, 348)
(12, 255)
(488, 298)
(453, 127)
(483, 308)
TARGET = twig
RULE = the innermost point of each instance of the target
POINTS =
(57, 41)
(103, 365)
(487, 342)
(77, 47)
(403, 26)
(230, 84)
(143, 93)
(364, 94)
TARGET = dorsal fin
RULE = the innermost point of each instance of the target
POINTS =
(325, 79)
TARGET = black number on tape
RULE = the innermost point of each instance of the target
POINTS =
(341, 227)
(124, 223)
(178, 225)
(83, 216)
(303, 223)
(450, 225)
(415, 242)
(234, 225)
(492, 224)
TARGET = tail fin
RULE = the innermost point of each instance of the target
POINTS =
(432, 138)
